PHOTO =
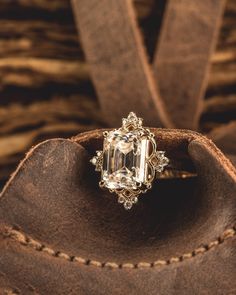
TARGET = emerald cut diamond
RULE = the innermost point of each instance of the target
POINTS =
(124, 160)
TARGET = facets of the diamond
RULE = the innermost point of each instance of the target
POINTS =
(125, 147)
(121, 199)
(128, 205)
(124, 160)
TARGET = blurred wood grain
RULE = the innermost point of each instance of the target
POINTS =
(45, 86)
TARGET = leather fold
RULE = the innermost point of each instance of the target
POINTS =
(61, 234)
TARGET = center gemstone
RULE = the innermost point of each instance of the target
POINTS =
(124, 160)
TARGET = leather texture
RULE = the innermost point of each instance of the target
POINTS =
(118, 61)
(181, 66)
(168, 93)
(62, 234)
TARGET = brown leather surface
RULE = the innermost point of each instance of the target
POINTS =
(225, 138)
(118, 62)
(181, 66)
(170, 93)
(62, 234)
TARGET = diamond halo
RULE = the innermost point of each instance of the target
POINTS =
(129, 160)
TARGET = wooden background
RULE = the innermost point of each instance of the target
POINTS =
(45, 88)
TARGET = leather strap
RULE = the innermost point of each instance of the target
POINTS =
(181, 64)
(119, 66)
(118, 61)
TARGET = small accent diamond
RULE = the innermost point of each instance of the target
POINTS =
(94, 160)
(128, 205)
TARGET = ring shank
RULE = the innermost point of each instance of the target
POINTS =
(171, 173)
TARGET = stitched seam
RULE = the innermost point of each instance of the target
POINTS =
(27, 241)
(10, 292)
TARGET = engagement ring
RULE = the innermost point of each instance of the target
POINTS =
(129, 161)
